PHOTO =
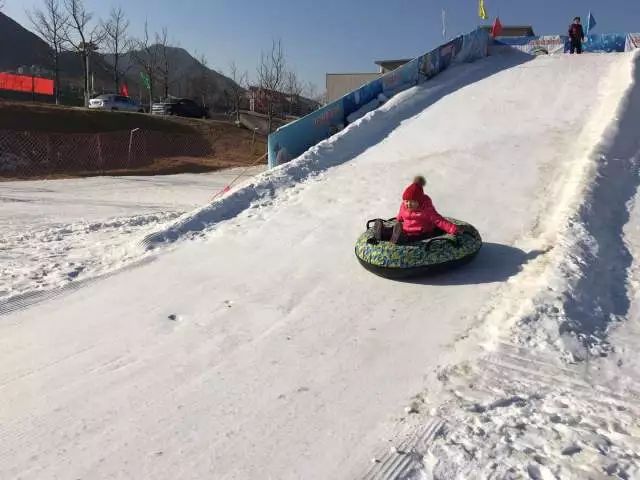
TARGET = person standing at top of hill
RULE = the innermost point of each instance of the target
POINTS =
(576, 36)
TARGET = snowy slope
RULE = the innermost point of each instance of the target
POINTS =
(261, 349)
(546, 385)
(53, 233)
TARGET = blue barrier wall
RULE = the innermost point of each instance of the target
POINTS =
(538, 45)
(291, 140)
(608, 42)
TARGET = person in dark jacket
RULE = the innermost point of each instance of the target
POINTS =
(576, 36)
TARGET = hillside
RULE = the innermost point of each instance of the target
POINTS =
(185, 74)
(229, 145)
(243, 340)
(20, 49)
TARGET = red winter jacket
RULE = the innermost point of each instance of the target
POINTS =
(424, 220)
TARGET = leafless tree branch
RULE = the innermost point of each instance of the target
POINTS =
(240, 80)
(116, 40)
(50, 22)
(312, 93)
(203, 86)
(146, 56)
(83, 37)
(162, 40)
(271, 75)
(294, 89)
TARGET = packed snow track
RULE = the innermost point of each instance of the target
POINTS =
(258, 347)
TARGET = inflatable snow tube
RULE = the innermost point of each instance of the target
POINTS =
(423, 257)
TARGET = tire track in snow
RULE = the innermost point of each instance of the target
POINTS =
(519, 414)
(29, 299)
(404, 460)
(40, 267)
(537, 414)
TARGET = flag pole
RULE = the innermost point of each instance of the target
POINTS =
(444, 24)
(586, 34)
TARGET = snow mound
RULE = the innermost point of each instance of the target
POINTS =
(586, 282)
(355, 139)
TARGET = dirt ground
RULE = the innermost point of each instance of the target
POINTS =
(232, 146)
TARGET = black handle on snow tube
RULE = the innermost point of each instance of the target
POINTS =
(443, 238)
(392, 219)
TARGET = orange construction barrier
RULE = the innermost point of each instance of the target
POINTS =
(24, 83)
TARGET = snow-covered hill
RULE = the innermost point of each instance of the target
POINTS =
(257, 347)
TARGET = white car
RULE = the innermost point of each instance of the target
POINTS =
(115, 103)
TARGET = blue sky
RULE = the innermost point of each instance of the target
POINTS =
(321, 36)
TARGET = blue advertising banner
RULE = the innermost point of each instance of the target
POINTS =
(608, 42)
(475, 45)
(449, 51)
(356, 99)
(291, 140)
(401, 78)
(544, 45)
(550, 44)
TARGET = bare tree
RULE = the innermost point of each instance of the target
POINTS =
(203, 86)
(294, 89)
(146, 56)
(84, 38)
(311, 92)
(50, 22)
(1, 4)
(271, 76)
(238, 87)
(116, 40)
(162, 41)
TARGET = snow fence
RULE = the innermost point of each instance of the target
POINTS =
(292, 140)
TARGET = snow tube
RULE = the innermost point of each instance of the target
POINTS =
(423, 257)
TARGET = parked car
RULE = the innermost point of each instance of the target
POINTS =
(114, 103)
(182, 107)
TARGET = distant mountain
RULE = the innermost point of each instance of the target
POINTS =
(20, 50)
(19, 47)
(186, 74)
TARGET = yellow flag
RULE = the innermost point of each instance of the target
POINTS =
(481, 10)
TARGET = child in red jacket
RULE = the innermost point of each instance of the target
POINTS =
(417, 218)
